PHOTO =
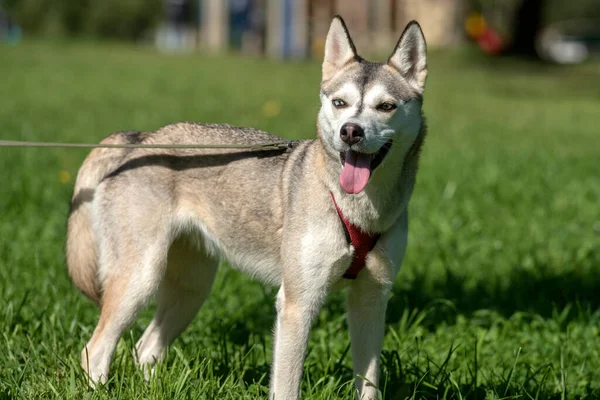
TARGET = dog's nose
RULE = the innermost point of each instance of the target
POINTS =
(351, 133)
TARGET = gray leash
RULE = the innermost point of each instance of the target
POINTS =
(279, 145)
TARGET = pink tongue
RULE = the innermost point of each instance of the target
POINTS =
(356, 172)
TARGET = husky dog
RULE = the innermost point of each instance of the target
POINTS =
(327, 214)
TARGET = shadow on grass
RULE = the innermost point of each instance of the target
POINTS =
(432, 381)
(541, 289)
(535, 290)
(525, 290)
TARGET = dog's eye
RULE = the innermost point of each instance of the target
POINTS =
(386, 107)
(338, 103)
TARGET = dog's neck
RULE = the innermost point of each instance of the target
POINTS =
(388, 192)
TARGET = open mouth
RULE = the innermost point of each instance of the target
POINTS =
(357, 168)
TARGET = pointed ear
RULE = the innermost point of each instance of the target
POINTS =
(410, 56)
(339, 49)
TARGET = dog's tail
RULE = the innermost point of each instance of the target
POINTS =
(81, 246)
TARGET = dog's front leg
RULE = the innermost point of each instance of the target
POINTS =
(367, 300)
(296, 309)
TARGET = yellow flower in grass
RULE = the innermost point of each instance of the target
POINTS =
(271, 109)
(64, 177)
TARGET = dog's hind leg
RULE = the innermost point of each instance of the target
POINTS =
(188, 279)
(130, 282)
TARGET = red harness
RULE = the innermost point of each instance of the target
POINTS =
(362, 242)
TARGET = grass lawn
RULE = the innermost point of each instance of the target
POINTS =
(499, 295)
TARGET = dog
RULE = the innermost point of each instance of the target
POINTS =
(329, 213)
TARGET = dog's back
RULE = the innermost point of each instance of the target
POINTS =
(120, 169)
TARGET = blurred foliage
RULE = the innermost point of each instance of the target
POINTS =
(553, 10)
(129, 19)
(560, 10)
(117, 18)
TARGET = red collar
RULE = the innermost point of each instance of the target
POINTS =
(362, 242)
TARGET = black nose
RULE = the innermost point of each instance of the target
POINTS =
(351, 133)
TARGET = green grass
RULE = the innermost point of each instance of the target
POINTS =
(499, 293)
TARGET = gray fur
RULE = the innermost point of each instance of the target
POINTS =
(159, 220)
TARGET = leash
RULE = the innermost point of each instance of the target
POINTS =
(279, 145)
(363, 242)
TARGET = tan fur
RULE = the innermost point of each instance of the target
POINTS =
(81, 251)
(157, 221)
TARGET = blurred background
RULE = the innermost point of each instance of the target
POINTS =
(553, 30)
(498, 294)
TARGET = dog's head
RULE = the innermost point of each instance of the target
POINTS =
(367, 107)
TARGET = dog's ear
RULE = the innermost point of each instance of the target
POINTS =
(339, 49)
(410, 56)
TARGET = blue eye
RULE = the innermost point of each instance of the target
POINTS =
(338, 103)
